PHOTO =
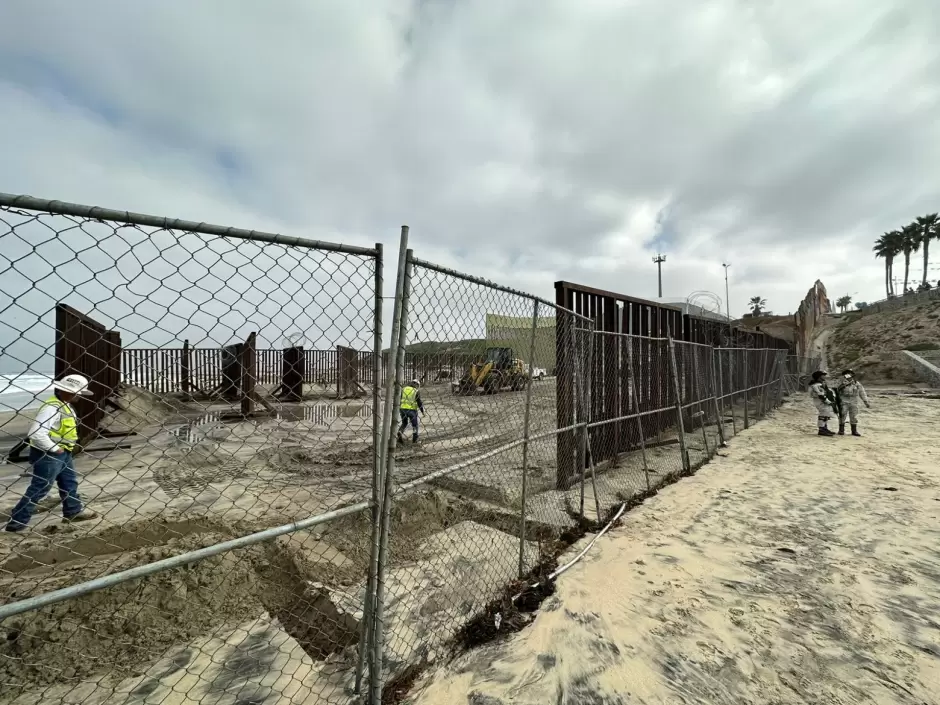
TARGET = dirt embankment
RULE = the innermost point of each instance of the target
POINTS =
(870, 345)
(297, 598)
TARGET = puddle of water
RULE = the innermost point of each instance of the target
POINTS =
(319, 414)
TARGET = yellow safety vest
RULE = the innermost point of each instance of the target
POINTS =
(66, 433)
(409, 398)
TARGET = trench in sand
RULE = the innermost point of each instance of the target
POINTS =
(308, 584)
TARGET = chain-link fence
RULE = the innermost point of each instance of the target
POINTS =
(262, 504)
(472, 461)
(197, 525)
(798, 370)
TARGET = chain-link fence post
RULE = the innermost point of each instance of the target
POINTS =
(589, 416)
(578, 409)
(378, 428)
(719, 405)
(525, 438)
(747, 381)
(680, 424)
(758, 384)
(631, 380)
(721, 386)
(701, 413)
(392, 394)
(766, 374)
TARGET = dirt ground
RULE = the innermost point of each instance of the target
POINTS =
(191, 480)
(792, 569)
(870, 345)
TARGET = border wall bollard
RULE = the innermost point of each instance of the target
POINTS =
(631, 380)
(680, 425)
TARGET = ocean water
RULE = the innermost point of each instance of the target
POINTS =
(23, 391)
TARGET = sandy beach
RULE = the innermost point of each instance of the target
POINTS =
(792, 569)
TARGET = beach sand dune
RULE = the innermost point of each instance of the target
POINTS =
(795, 569)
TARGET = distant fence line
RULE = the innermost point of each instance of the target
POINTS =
(903, 301)
(163, 370)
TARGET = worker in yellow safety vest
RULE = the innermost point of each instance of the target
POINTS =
(53, 438)
(408, 409)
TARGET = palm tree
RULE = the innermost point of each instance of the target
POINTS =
(843, 302)
(910, 243)
(929, 226)
(757, 305)
(888, 246)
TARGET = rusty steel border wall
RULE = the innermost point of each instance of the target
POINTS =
(86, 347)
(610, 395)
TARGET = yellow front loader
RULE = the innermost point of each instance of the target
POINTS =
(497, 372)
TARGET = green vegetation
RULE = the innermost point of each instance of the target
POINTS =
(757, 305)
(912, 237)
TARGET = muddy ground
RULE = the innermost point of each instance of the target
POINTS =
(288, 610)
(793, 569)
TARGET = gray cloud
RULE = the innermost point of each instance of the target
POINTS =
(523, 143)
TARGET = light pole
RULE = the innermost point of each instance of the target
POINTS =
(727, 302)
(658, 261)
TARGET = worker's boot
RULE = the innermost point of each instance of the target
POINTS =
(414, 438)
(855, 430)
(825, 432)
(841, 429)
(401, 438)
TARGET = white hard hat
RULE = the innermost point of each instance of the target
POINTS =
(74, 384)
(415, 383)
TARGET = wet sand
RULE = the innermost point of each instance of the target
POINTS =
(793, 569)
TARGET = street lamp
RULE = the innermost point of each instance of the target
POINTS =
(727, 302)
(658, 261)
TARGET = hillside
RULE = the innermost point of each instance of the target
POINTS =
(870, 345)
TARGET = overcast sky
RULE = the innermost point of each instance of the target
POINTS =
(522, 141)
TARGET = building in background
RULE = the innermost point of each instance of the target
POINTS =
(515, 332)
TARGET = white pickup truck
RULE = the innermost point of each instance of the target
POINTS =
(538, 373)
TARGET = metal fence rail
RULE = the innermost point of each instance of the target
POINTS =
(257, 544)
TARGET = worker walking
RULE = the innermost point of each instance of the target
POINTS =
(410, 405)
(53, 437)
(824, 400)
(850, 391)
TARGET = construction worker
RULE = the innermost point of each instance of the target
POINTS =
(824, 400)
(53, 437)
(410, 405)
(850, 391)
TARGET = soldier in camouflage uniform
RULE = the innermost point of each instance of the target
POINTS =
(824, 399)
(850, 392)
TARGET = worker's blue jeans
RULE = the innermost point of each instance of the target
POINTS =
(48, 468)
(409, 415)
